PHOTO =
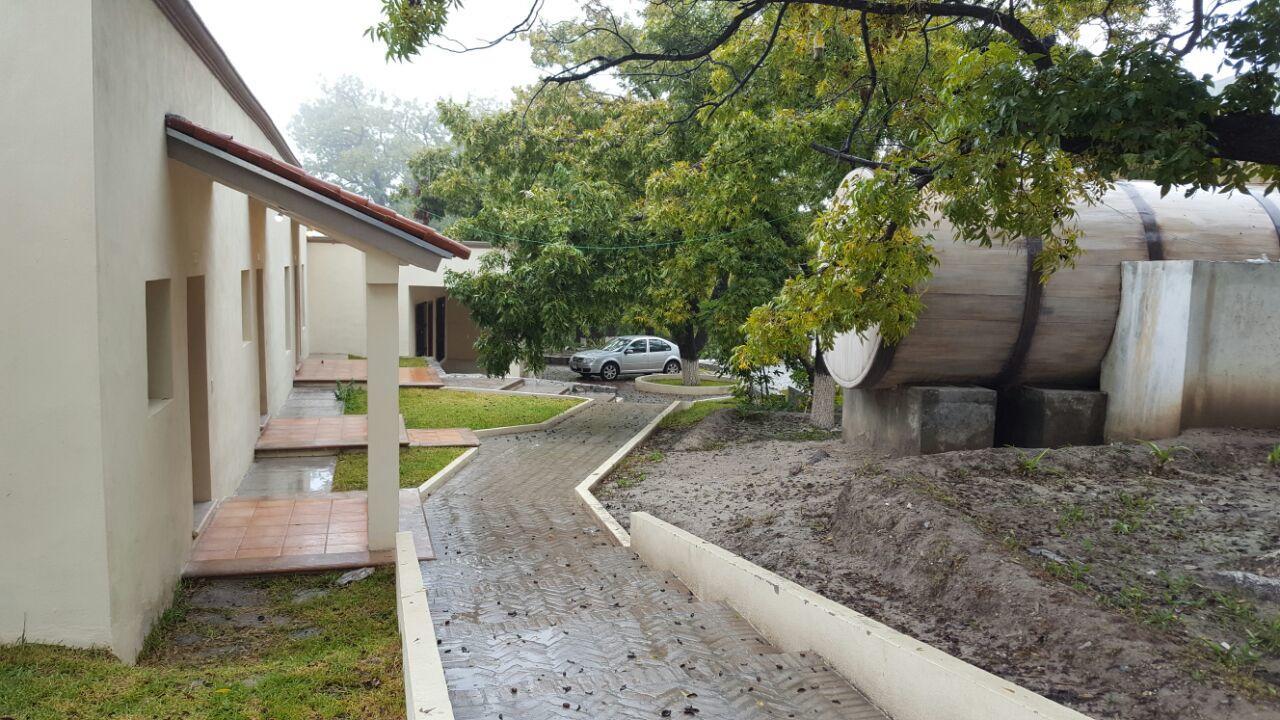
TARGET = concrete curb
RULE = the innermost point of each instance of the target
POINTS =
(905, 677)
(426, 696)
(545, 424)
(645, 384)
(603, 518)
(434, 482)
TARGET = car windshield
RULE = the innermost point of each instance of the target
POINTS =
(616, 344)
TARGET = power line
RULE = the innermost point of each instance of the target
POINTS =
(643, 246)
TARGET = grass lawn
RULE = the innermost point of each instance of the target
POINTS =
(676, 380)
(427, 408)
(404, 361)
(298, 648)
(681, 419)
(416, 466)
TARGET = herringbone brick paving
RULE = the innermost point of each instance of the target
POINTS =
(539, 616)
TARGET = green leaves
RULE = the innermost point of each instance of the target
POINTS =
(691, 202)
(408, 25)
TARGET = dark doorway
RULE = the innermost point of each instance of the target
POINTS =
(198, 391)
(440, 329)
(420, 329)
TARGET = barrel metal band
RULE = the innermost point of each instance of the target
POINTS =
(1031, 302)
(1150, 228)
(1273, 212)
(880, 363)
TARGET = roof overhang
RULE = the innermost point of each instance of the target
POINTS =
(308, 207)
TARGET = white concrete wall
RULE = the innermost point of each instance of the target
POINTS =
(96, 511)
(908, 679)
(53, 561)
(336, 278)
(1197, 344)
(1233, 358)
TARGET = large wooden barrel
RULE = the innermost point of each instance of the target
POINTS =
(989, 320)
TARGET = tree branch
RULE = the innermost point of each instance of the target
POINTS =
(856, 161)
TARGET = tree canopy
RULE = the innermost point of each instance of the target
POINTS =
(361, 139)
(997, 116)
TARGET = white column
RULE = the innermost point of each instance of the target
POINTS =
(382, 274)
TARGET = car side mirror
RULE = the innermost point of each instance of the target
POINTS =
(630, 351)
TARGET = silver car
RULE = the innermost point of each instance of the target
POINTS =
(629, 355)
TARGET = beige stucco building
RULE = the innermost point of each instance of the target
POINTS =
(154, 307)
(431, 322)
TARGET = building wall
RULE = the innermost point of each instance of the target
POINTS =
(336, 279)
(335, 276)
(158, 219)
(53, 566)
(1196, 345)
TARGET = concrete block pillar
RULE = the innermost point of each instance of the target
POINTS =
(920, 420)
(382, 276)
(1034, 417)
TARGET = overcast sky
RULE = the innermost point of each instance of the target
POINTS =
(324, 39)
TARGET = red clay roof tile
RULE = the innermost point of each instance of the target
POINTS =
(301, 177)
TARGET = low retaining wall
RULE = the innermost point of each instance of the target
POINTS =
(646, 384)
(603, 518)
(434, 482)
(426, 696)
(906, 678)
(545, 424)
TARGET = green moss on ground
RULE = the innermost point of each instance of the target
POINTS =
(328, 653)
(417, 465)
(404, 361)
(677, 380)
(687, 418)
(425, 408)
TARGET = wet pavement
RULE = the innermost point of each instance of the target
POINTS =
(540, 616)
(288, 476)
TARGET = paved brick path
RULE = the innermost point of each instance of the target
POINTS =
(539, 616)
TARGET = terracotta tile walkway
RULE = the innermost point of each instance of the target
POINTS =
(319, 433)
(447, 437)
(249, 536)
(330, 370)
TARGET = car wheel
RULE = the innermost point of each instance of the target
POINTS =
(672, 367)
(609, 371)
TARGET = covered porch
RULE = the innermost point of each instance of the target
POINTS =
(388, 242)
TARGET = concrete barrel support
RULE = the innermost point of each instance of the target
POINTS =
(1034, 417)
(382, 275)
(921, 419)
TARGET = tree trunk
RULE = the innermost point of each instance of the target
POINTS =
(691, 341)
(822, 407)
(690, 373)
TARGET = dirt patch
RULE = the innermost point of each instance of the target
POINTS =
(1103, 578)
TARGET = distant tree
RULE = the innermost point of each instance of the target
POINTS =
(362, 139)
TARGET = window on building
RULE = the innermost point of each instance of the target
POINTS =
(159, 342)
(246, 305)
